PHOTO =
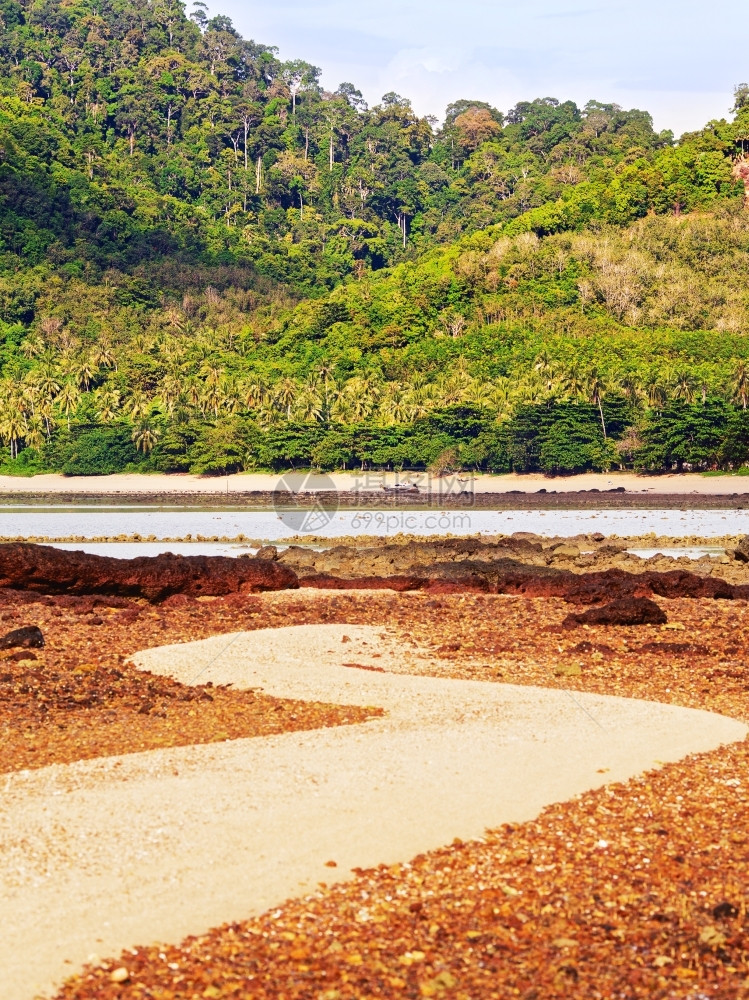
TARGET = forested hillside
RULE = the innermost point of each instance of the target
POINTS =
(208, 262)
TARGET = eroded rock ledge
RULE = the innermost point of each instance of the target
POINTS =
(45, 569)
(514, 566)
(510, 566)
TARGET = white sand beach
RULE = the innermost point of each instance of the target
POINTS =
(215, 487)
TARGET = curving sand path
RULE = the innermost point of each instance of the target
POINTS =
(106, 854)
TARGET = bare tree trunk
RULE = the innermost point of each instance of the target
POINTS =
(258, 175)
(603, 422)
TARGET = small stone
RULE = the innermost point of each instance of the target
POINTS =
(570, 670)
(120, 975)
(29, 637)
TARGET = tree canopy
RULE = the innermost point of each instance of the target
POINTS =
(208, 261)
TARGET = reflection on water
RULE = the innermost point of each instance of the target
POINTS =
(103, 521)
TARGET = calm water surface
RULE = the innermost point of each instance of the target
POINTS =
(187, 523)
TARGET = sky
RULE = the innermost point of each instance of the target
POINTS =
(678, 59)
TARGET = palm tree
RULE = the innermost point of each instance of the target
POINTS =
(192, 392)
(655, 391)
(102, 356)
(268, 415)
(212, 374)
(12, 423)
(356, 400)
(213, 398)
(740, 382)
(253, 392)
(684, 386)
(284, 394)
(502, 400)
(596, 387)
(141, 343)
(395, 405)
(107, 404)
(34, 435)
(631, 387)
(68, 399)
(309, 406)
(45, 414)
(547, 372)
(84, 374)
(33, 347)
(145, 436)
(573, 383)
(170, 393)
(422, 400)
(138, 406)
(480, 393)
(48, 383)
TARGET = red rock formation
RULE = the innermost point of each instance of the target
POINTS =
(625, 611)
(45, 569)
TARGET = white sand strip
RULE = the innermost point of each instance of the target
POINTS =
(219, 487)
(103, 855)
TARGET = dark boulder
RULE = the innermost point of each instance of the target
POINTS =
(27, 637)
(625, 611)
(49, 570)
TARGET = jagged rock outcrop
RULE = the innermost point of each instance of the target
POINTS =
(48, 570)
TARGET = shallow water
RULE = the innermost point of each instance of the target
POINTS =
(130, 550)
(212, 522)
(678, 551)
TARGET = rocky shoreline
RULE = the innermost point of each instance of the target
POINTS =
(450, 558)
(542, 499)
(587, 570)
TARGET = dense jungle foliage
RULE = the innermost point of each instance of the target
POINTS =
(209, 263)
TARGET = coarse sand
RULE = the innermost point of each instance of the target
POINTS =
(106, 854)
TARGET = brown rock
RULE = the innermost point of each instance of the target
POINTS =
(741, 552)
(27, 637)
(625, 611)
(49, 570)
(566, 551)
